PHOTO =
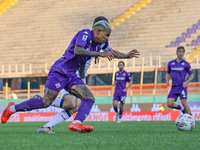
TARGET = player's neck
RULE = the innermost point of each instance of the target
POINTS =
(121, 71)
(179, 59)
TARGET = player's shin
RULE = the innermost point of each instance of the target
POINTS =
(59, 118)
(83, 110)
(31, 104)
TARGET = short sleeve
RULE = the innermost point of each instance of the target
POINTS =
(105, 46)
(168, 68)
(128, 77)
(82, 38)
(189, 69)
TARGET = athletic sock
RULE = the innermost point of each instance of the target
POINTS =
(116, 109)
(59, 118)
(83, 110)
(120, 113)
(33, 103)
(180, 107)
(58, 102)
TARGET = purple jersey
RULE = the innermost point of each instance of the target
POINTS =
(63, 72)
(121, 79)
(71, 62)
(178, 71)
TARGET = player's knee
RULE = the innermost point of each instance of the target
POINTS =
(47, 102)
(69, 106)
(170, 104)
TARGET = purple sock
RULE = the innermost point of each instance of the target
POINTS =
(33, 103)
(179, 107)
(116, 109)
(84, 109)
(120, 113)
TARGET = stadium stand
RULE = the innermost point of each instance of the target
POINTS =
(36, 33)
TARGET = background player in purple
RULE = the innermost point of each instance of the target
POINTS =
(177, 71)
(84, 45)
(121, 78)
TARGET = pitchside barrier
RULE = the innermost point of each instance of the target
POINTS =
(106, 116)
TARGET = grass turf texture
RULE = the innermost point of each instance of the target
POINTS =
(106, 136)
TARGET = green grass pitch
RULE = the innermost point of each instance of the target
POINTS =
(106, 136)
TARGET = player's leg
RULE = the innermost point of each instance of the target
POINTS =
(183, 97)
(31, 104)
(121, 106)
(185, 105)
(115, 106)
(171, 104)
(82, 91)
(70, 106)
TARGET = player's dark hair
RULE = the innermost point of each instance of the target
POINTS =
(100, 18)
(121, 62)
(180, 47)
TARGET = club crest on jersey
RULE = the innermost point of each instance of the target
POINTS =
(57, 85)
(84, 38)
(173, 63)
(85, 32)
(183, 64)
(124, 74)
(117, 74)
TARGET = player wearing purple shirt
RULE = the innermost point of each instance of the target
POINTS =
(177, 71)
(84, 45)
(121, 78)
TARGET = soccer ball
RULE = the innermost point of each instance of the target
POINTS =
(185, 122)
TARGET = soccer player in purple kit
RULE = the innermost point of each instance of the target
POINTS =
(177, 70)
(84, 45)
(121, 78)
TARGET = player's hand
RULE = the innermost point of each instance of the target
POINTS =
(167, 83)
(97, 59)
(110, 55)
(124, 90)
(184, 84)
(133, 53)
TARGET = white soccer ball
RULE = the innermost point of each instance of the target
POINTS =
(185, 122)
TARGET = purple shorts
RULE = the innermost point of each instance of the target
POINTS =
(119, 98)
(178, 91)
(57, 81)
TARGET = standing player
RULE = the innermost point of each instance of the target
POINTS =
(177, 70)
(84, 45)
(121, 78)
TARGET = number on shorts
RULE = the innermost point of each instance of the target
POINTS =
(183, 93)
(123, 98)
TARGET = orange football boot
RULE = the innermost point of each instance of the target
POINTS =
(79, 127)
(7, 113)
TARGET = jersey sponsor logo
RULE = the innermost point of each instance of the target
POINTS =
(57, 85)
(178, 68)
(84, 38)
(120, 78)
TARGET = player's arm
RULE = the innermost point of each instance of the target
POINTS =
(114, 84)
(83, 52)
(82, 72)
(188, 81)
(129, 55)
(167, 78)
(129, 85)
